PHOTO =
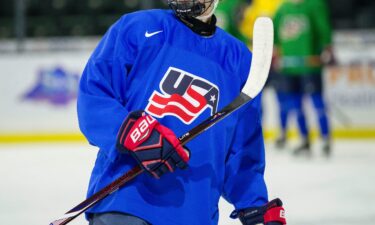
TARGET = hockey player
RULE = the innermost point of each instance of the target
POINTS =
(303, 38)
(154, 75)
(229, 14)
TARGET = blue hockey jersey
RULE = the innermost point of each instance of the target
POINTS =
(149, 60)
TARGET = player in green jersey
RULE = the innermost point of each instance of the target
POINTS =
(229, 14)
(302, 38)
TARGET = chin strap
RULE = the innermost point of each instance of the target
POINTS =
(199, 27)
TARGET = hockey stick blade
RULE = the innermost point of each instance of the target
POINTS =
(260, 65)
(262, 56)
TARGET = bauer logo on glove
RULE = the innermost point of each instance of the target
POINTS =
(140, 130)
(154, 146)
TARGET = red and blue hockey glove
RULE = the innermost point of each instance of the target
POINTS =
(270, 214)
(154, 146)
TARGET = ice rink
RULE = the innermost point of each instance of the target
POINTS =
(41, 182)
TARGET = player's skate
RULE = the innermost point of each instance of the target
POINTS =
(280, 142)
(327, 151)
(304, 149)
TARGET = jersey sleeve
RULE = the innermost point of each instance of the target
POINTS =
(100, 105)
(276, 21)
(244, 184)
(320, 18)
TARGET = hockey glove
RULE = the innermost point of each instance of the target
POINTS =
(270, 214)
(154, 146)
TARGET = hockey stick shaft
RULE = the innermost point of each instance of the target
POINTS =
(91, 201)
(262, 54)
(241, 100)
(137, 170)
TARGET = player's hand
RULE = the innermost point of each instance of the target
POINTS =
(154, 146)
(328, 56)
(270, 214)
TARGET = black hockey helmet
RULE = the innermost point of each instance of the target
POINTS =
(190, 8)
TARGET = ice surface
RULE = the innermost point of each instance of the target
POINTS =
(41, 182)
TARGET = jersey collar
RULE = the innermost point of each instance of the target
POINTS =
(199, 27)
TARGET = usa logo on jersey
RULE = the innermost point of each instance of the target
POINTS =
(184, 96)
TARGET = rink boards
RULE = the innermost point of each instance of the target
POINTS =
(38, 94)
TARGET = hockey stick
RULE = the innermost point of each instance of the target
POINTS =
(260, 65)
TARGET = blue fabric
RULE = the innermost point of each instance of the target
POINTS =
(227, 160)
(292, 103)
(321, 112)
(290, 94)
(116, 219)
(284, 110)
(306, 84)
(297, 99)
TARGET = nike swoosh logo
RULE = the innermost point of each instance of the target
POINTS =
(147, 34)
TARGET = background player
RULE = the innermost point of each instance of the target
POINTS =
(229, 16)
(180, 68)
(303, 37)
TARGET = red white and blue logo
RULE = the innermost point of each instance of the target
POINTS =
(184, 96)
